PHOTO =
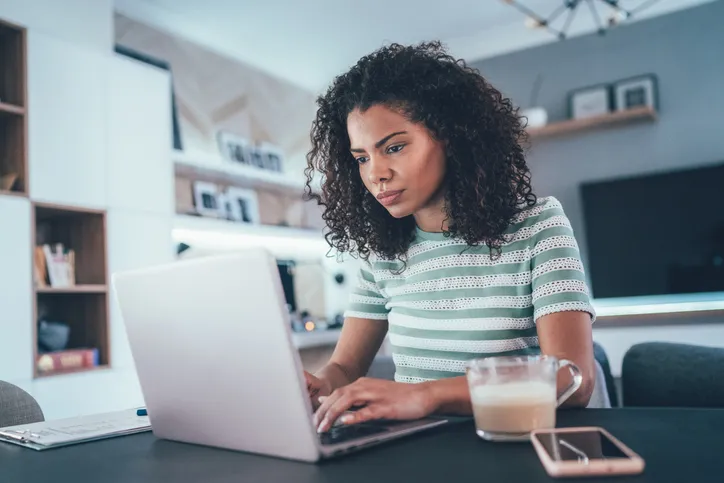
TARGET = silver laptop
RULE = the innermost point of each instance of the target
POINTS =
(212, 344)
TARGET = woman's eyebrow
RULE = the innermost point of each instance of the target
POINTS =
(380, 142)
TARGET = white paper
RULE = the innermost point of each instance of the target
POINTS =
(75, 430)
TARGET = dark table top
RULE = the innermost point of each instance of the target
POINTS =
(673, 442)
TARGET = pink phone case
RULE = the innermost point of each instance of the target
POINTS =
(631, 465)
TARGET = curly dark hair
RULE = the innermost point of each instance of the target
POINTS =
(487, 179)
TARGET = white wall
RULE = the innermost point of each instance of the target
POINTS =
(99, 136)
(16, 309)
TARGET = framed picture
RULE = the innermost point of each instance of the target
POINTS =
(242, 205)
(640, 91)
(273, 159)
(589, 101)
(234, 148)
(206, 199)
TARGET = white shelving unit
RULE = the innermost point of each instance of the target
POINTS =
(213, 235)
(217, 170)
(320, 338)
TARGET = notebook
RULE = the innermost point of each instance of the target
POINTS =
(64, 432)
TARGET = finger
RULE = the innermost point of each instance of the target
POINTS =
(367, 413)
(324, 403)
(338, 407)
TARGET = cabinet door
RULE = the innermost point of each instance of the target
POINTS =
(16, 303)
(140, 173)
(135, 240)
(67, 122)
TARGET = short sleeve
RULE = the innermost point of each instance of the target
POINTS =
(558, 276)
(366, 301)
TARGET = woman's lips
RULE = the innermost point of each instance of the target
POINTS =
(387, 198)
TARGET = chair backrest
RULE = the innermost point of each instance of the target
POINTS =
(17, 406)
(664, 374)
(599, 353)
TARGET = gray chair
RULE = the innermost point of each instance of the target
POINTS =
(665, 374)
(17, 406)
(383, 367)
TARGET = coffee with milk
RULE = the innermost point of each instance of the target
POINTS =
(512, 396)
(516, 407)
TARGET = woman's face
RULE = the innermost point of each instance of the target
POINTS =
(399, 162)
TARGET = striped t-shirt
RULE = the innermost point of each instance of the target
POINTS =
(451, 305)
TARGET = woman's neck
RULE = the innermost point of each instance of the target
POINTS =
(432, 218)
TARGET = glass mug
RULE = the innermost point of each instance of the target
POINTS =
(514, 395)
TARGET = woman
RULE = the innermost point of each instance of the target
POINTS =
(424, 177)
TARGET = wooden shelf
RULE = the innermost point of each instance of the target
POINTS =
(207, 224)
(572, 126)
(74, 289)
(214, 169)
(19, 194)
(74, 371)
(11, 109)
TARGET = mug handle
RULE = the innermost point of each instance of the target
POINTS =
(573, 386)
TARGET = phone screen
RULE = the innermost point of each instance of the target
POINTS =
(582, 446)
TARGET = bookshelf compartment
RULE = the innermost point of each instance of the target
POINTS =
(85, 314)
(13, 172)
(13, 123)
(12, 64)
(82, 231)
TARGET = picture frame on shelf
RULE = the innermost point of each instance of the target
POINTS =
(636, 92)
(237, 149)
(589, 101)
(242, 205)
(273, 158)
(234, 148)
(207, 201)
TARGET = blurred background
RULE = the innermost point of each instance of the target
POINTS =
(139, 132)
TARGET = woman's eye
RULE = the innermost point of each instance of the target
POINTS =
(395, 149)
(361, 159)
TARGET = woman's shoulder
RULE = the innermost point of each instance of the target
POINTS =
(544, 208)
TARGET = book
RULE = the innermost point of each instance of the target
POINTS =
(59, 265)
(67, 360)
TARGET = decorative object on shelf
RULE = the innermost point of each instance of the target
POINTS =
(639, 91)
(59, 264)
(237, 149)
(613, 11)
(206, 200)
(7, 181)
(537, 116)
(589, 101)
(241, 204)
(52, 336)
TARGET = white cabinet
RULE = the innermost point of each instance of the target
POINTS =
(67, 122)
(135, 240)
(86, 22)
(140, 172)
(16, 304)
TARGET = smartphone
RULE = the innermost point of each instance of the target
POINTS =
(584, 451)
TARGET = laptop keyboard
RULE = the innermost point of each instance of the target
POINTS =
(340, 434)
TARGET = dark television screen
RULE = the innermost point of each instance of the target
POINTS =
(656, 234)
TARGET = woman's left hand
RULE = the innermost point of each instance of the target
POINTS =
(380, 399)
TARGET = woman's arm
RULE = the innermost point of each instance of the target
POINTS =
(358, 344)
(568, 335)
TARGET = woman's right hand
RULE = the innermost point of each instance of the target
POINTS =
(317, 387)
